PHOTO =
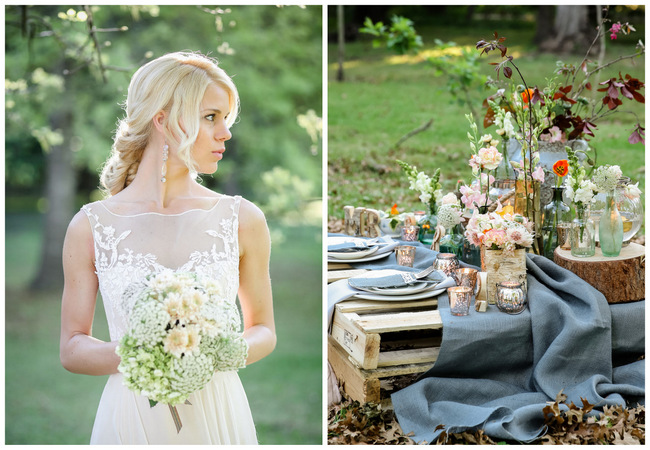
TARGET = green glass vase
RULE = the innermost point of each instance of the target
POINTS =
(610, 228)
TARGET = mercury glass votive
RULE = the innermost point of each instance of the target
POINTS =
(563, 235)
(469, 278)
(405, 255)
(448, 263)
(511, 297)
(410, 233)
(459, 299)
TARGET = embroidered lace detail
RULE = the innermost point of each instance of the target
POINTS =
(129, 248)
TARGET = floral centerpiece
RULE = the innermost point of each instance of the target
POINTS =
(181, 330)
(430, 191)
(503, 241)
(559, 112)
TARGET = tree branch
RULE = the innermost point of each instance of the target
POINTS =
(412, 133)
(91, 31)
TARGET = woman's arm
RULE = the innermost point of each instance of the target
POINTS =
(79, 351)
(255, 282)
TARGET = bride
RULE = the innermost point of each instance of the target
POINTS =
(156, 218)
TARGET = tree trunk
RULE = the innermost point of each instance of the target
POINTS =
(620, 279)
(544, 23)
(59, 194)
(341, 41)
(571, 31)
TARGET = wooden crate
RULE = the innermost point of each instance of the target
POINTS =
(374, 340)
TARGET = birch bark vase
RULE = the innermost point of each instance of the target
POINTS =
(500, 267)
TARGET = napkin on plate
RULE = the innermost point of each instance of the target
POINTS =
(340, 290)
(350, 246)
(387, 244)
(396, 279)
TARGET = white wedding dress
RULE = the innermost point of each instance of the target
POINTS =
(127, 249)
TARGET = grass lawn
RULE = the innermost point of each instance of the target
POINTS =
(385, 96)
(45, 404)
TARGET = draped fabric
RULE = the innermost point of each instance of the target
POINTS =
(497, 371)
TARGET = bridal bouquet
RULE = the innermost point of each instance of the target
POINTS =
(181, 330)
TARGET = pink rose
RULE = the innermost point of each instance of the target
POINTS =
(475, 163)
(489, 157)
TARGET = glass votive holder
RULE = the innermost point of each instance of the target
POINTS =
(563, 235)
(410, 233)
(511, 297)
(469, 278)
(405, 255)
(448, 263)
(459, 299)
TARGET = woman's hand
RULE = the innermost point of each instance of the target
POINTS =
(255, 282)
(79, 351)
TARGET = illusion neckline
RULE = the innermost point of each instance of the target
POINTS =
(156, 213)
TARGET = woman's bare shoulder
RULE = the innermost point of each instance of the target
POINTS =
(250, 215)
(79, 236)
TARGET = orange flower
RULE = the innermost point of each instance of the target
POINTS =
(526, 95)
(561, 167)
(393, 210)
(507, 209)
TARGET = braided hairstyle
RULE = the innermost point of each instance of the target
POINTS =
(174, 83)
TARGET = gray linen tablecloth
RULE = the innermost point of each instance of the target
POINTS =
(497, 371)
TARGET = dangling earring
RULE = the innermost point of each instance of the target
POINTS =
(164, 164)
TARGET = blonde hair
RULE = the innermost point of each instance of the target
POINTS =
(174, 83)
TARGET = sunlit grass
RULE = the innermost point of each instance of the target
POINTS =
(385, 96)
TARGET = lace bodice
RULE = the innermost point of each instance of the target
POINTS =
(130, 247)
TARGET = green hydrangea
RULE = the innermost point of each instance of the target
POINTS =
(181, 330)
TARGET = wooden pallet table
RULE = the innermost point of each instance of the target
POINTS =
(374, 340)
(620, 279)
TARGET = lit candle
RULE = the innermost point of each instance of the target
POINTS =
(405, 255)
(410, 233)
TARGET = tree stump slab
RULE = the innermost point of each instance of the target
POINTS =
(620, 279)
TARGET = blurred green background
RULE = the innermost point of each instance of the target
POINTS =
(383, 95)
(67, 69)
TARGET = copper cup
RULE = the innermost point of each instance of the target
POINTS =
(469, 278)
(562, 230)
(405, 255)
(459, 299)
(410, 233)
(447, 263)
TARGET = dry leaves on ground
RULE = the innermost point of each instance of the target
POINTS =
(335, 225)
(615, 425)
(353, 423)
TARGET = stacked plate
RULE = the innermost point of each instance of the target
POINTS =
(421, 289)
(353, 250)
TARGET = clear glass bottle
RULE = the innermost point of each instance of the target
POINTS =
(453, 240)
(427, 224)
(629, 207)
(610, 227)
(582, 235)
(555, 214)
